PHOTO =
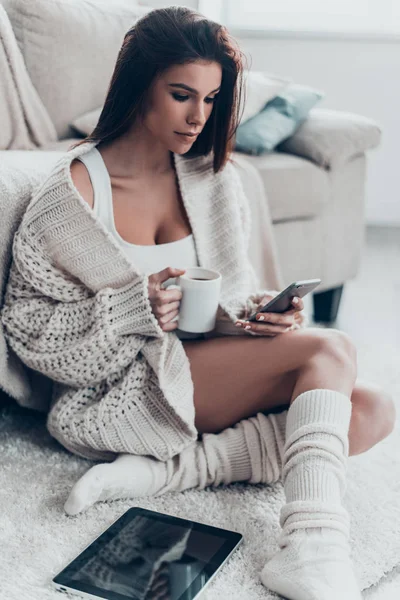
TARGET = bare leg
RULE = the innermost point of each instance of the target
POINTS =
(373, 411)
(334, 367)
(373, 416)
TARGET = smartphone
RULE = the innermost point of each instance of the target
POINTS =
(283, 301)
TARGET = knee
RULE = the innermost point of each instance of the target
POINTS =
(376, 407)
(384, 413)
(338, 346)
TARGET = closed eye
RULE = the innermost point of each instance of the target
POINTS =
(180, 98)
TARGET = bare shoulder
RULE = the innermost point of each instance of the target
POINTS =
(82, 182)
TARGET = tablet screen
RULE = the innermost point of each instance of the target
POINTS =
(146, 555)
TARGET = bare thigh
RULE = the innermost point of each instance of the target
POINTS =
(236, 377)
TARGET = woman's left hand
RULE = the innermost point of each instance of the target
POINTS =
(275, 323)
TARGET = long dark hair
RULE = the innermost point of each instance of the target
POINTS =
(160, 39)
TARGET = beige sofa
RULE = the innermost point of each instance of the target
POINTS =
(313, 184)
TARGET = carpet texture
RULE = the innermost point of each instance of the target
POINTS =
(37, 539)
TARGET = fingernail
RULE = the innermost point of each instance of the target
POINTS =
(260, 318)
(237, 324)
(296, 300)
(248, 327)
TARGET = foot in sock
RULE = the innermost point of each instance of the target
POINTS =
(314, 565)
(251, 450)
(129, 476)
(314, 562)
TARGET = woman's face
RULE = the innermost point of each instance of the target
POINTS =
(174, 109)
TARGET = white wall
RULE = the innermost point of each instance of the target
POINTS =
(357, 75)
(160, 3)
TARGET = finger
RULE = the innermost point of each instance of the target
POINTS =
(166, 296)
(259, 333)
(165, 309)
(169, 273)
(160, 592)
(161, 572)
(285, 318)
(160, 585)
(170, 325)
(299, 305)
(266, 328)
(264, 300)
(165, 319)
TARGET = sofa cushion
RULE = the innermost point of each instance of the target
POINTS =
(295, 187)
(259, 89)
(331, 137)
(70, 48)
(25, 123)
(85, 123)
(278, 120)
(33, 164)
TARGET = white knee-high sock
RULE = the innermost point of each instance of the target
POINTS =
(251, 450)
(313, 562)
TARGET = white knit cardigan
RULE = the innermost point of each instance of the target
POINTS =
(77, 311)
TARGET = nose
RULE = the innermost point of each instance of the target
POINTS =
(198, 116)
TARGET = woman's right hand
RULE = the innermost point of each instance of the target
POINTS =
(165, 303)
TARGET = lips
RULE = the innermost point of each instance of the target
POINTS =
(187, 134)
(186, 138)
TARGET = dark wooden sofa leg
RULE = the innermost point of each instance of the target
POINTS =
(326, 304)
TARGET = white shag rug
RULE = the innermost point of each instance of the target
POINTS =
(37, 539)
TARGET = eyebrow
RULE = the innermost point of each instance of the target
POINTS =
(189, 89)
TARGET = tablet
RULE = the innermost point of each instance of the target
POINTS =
(147, 555)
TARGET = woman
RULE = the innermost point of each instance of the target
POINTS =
(85, 305)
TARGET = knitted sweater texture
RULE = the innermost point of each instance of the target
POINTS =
(77, 310)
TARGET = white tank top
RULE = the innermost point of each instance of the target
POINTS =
(149, 259)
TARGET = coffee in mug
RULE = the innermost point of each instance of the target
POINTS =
(200, 289)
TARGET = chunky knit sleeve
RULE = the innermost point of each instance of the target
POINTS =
(62, 329)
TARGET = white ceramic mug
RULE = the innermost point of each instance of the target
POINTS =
(198, 309)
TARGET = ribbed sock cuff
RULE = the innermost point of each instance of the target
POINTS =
(319, 406)
(265, 436)
(236, 459)
(314, 467)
